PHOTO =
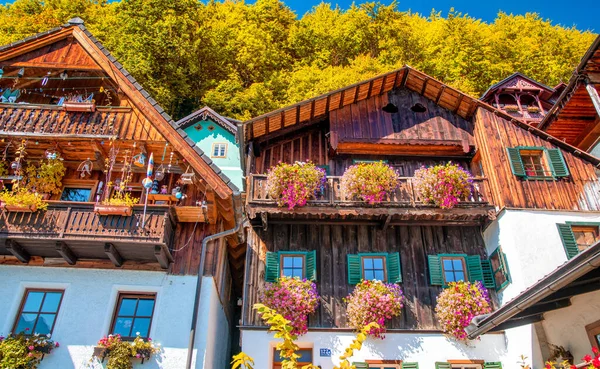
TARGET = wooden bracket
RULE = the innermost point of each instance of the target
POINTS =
(67, 254)
(386, 224)
(163, 256)
(17, 250)
(113, 254)
(263, 219)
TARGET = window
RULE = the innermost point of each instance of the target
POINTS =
(390, 365)
(499, 269)
(446, 268)
(382, 266)
(305, 358)
(593, 331)
(468, 364)
(219, 150)
(385, 364)
(76, 194)
(537, 162)
(454, 269)
(38, 311)
(302, 264)
(292, 265)
(133, 314)
(578, 236)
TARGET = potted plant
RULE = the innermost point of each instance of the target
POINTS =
(369, 182)
(588, 361)
(511, 108)
(21, 199)
(294, 184)
(458, 304)
(120, 353)
(120, 203)
(533, 109)
(293, 298)
(373, 301)
(46, 179)
(443, 185)
(22, 351)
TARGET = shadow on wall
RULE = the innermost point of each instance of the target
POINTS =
(407, 345)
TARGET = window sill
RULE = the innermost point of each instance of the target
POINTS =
(539, 178)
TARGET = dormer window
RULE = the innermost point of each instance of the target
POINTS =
(219, 150)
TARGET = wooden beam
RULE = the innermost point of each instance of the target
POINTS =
(460, 99)
(356, 94)
(312, 109)
(382, 84)
(591, 89)
(342, 99)
(163, 256)
(17, 250)
(370, 89)
(439, 95)
(386, 223)
(66, 252)
(34, 44)
(57, 66)
(424, 86)
(404, 77)
(113, 254)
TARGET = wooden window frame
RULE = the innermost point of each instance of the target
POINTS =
(79, 183)
(120, 297)
(592, 330)
(541, 152)
(464, 264)
(384, 260)
(213, 150)
(25, 295)
(585, 228)
(283, 255)
(461, 364)
(379, 364)
(503, 268)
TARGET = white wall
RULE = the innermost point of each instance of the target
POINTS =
(424, 348)
(89, 301)
(566, 327)
(531, 243)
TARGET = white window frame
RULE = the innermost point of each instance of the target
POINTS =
(220, 146)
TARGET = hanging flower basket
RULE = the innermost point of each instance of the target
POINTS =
(374, 302)
(293, 298)
(443, 185)
(21, 351)
(369, 182)
(292, 185)
(458, 304)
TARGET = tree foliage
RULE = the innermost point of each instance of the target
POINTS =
(247, 59)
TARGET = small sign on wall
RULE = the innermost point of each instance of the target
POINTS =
(325, 352)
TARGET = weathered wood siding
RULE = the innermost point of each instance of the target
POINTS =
(494, 134)
(334, 242)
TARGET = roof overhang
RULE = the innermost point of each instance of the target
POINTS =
(495, 86)
(204, 114)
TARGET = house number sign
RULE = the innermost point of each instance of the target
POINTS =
(325, 352)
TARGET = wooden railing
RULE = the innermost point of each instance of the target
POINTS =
(331, 193)
(79, 221)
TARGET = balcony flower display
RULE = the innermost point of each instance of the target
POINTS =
(121, 352)
(293, 184)
(46, 178)
(21, 199)
(443, 185)
(295, 299)
(458, 304)
(369, 182)
(533, 109)
(511, 108)
(374, 301)
(22, 351)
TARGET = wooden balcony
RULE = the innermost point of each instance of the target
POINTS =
(74, 231)
(403, 205)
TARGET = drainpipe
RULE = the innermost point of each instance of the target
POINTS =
(239, 224)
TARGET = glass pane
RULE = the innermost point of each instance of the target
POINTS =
(26, 321)
(76, 194)
(298, 262)
(457, 264)
(288, 261)
(44, 324)
(297, 273)
(598, 339)
(368, 263)
(141, 325)
(500, 278)
(447, 264)
(379, 275)
(305, 356)
(145, 307)
(460, 276)
(449, 276)
(288, 272)
(127, 307)
(378, 263)
(51, 302)
(369, 275)
(33, 302)
(495, 262)
(123, 326)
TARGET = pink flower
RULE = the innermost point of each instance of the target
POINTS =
(56, 344)
(138, 356)
(31, 348)
(30, 354)
(587, 358)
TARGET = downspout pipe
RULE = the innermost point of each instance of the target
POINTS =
(239, 225)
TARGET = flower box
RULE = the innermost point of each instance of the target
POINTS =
(533, 109)
(511, 108)
(100, 353)
(121, 210)
(79, 106)
(20, 209)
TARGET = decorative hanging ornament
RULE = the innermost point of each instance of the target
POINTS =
(50, 154)
(160, 173)
(178, 195)
(15, 165)
(147, 182)
(21, 73)
(150, 168)
(64, 75)
(85, 168)
(45, 79)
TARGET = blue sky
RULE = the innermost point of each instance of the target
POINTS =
(583, 13)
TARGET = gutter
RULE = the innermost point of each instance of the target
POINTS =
(581, 264)
(240, 223)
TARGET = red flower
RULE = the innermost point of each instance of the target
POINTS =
(57, 344)
(595, 351)
(596, 362)
(587, 358)
(573, 367)
(548, 366)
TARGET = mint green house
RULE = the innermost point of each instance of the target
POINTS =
(216, 136)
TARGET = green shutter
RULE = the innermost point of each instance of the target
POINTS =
(410, 365)
(394, 268)
(488, 274)
(516, 163)
(272, 267)
(557, 162)
(360, 365)
(354, 272)
(568, 240)
(435, 270)
(442, 365)
(474, 268)
(492, 365)
(311, 265)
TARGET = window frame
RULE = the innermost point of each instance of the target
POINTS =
(583, 228)
(592, 331)
(544, 162)
(22, 305)
(283, 255)
(218, 144)
(553, 161)
(503, 268)
(384, 263)
(277, 360)
(127, 294)
(79, 183)
(382, 364)
(466, 364)
(454, 257)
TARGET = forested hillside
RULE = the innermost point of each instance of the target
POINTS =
(244, 60)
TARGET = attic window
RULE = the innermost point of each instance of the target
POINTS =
(211, 128)
(390, 108)
(418, 108)
(198, 127)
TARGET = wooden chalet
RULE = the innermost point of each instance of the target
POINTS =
(64, 94)
(575, 118)
(407, 119)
